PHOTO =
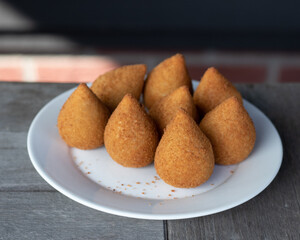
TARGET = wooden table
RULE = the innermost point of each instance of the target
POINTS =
(31, 209)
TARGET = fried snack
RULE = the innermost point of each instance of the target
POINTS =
(82, 119)
(184, 156)
(112, 86)
(165, 109)
(130, 135)
(213, 89)
(230, 130)
(165, 78)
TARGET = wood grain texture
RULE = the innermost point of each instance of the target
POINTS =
(274, 213)
(31, 209)
(50, 215)
(20, 102)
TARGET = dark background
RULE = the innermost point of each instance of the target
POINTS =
(231, 24)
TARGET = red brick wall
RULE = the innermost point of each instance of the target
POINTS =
(245, 67)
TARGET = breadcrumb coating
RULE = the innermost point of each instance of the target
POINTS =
(166, 77)
(112, 86)
(130, 136)
(82, 119)
(213, 89)
(184, 157)
(230, 130)
(164, 110)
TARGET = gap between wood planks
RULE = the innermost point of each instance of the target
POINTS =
(166, 236)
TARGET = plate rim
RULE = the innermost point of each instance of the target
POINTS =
(139, 215)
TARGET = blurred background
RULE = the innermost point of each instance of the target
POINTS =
(75, 41)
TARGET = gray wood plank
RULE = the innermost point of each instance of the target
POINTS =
(274, 213)
(263, 217)
(29, 207)
(50, 215)
(18, 174)
(20, 102)
(16, 171)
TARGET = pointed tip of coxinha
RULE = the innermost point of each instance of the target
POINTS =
(165, 78)
(165, 109)
(112, 86)
(82, 119)
(184, 119)
(230, 130)
(184, 157)
(213, 89)
(129, 101)
(130, 136)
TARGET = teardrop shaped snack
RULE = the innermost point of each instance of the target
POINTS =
(130, 135)
(184, 156)
(112, 86)
(82, 119)
(167, 76)
(230, 130)
(164, 110)
(213, 89)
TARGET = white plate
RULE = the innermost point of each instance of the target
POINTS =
(93, 179)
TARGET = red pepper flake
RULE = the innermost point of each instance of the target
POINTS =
(88, 172)
(153, 181)
(172, 190)
(231, 172)
(129, 185)
(170, 195)
(143, 192)
(174, 197)
(122, 184)
(147, 183)
(138, 183)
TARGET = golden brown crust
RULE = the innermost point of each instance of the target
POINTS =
(164, 110)
(165, 78)
(213, 89)
(82, 119)
(112, 86)
(230, 130)
(130, 136)
(184, 157)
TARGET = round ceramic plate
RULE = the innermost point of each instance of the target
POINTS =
(93, 179)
